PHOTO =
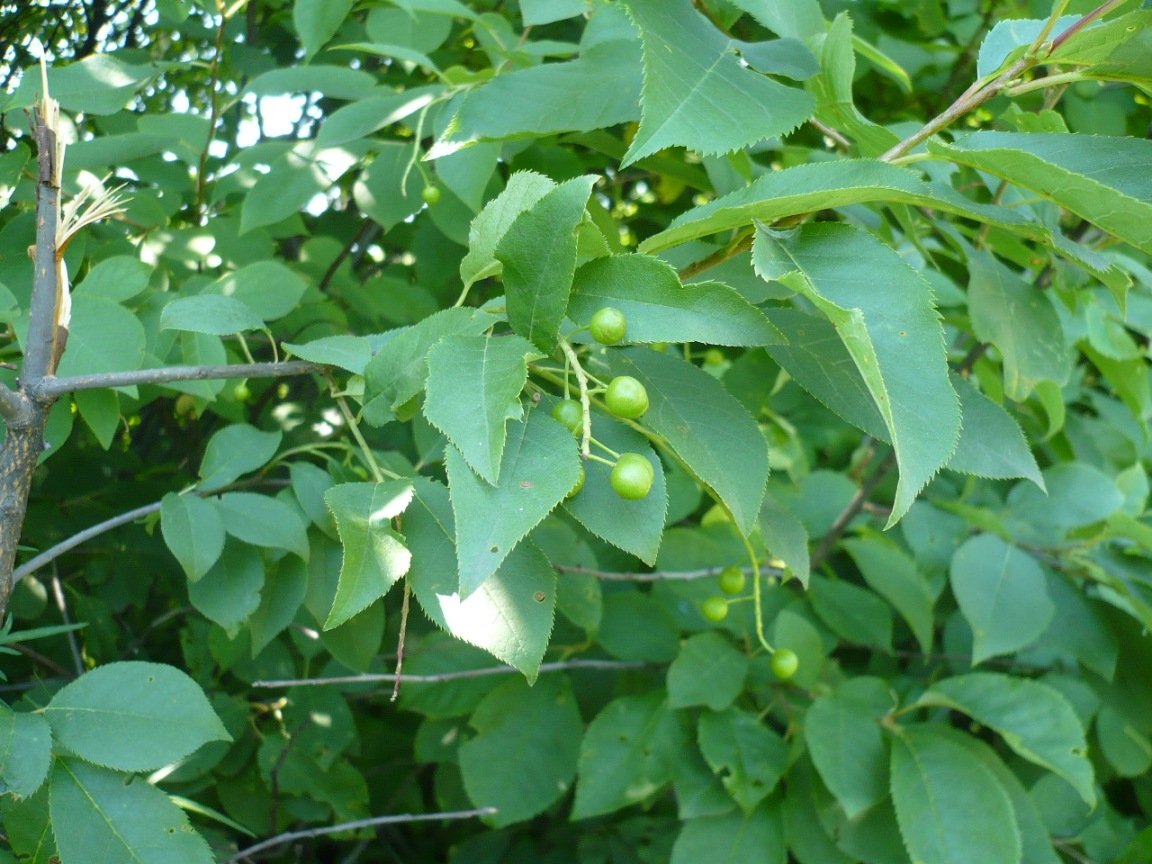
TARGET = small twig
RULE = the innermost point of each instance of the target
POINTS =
(400, 640)
(1100, 11)
(830, 133)
(367, 233)
(741, 244)
(585, 402)
(49, 555)
(452, 676)
(281, 839)
(52, 387)
(62, 607)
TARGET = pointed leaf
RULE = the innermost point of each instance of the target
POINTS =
(263, 521)
(538, 253)
(696, 92)
(375, 556)
(1001, 591)
(659, 309)
(749, 757)
(268, 288)
(533, 734)
(707, 671)
(895, 577)
(733, 838)
(539, 468)
(628, 753)
(524, 190)
(883, 312)
(25, 751)
(509, 616)
(950, 807)
(102, 817)
(235, 451)
(230, 591)
(1099, 179)
(317, 21)
(193, 530)
(1034, 719)
(210, 313)
(133, 716)
(347, 352)
(473, 389)
(991, 442)
(712, 432)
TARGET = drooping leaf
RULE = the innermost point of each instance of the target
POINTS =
(263, 521)
(194, 532)
(847, 745)
(524, 190)
(1034, 719)
(473, 389)
(292, 181)
(133, 716)
(991, 442)
(696, 92)
(213, 314)
(540, 466)
(234, 451)
(785, 537)
(734, 838)
(538, 254)
(280, 599)
(317, 21)
(533, 734)
(895, 576)
(1115, 195)
(28, 826)
(852, 612)
(659, 309)
(348, 352)
(25, 751)
(628, 753)
(708, 429)
(708, 671)
(375, 556)
(951, 808)
(389, 189)
(884, 314)
(230, 591)
(1002, 593)
(102, 817)
(749, 757)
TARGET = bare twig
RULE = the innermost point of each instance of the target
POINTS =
(62, 607)
(400, 640)
(281, 839)
(741, 244)
(13, 406)
(54, 387)
(49, 555)
(452, 676)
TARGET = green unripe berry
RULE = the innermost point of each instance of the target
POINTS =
(732, 580)
(579, 484)
(570, 414)
(714, 608)
(608, 326)
(431, 195)
(785, 663)
(632, 476)
(626, 397)
(714, 357)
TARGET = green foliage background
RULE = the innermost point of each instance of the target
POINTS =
(897, 361)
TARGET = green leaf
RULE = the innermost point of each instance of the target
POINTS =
(854, 613)
(103, 337)
(1020, 321)
(540, 466)
(707, 671)
(637, 526)
(628, 753)
(317, 21)
(1078, 494)
(846, 742)
(119, 278)
(598, 89)
(263, 521)
(883, 312)
(733, 838)
(25, 751)
(194, 532)
(234, 451)
(509, 616)
(473, 389)
(375, 556)
(798, 19)
(133, 716)
(283, 593)
(398, 371)
(538, 254)
(98, 84)
(659, 309)
(705, 426)
(532, 734)
(268, 288)
(524, 190)
(230, 591)
(28, 827)
(213, 314)
(696, 93)
(1034, 719)
(749, 757)
(950, 807)
(536, 12)
(348, 352)
(1124, 744)
(291, 182)
(1112, 191)
(364, 116)
(337, 82)
(101, 411)
(1001, 591)
(895, 576)
(389, 190)
(102, 817)
(991, 442)
(634, 626)
(356, 642)
(309, 483)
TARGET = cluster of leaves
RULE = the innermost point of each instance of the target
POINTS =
(843, 323)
